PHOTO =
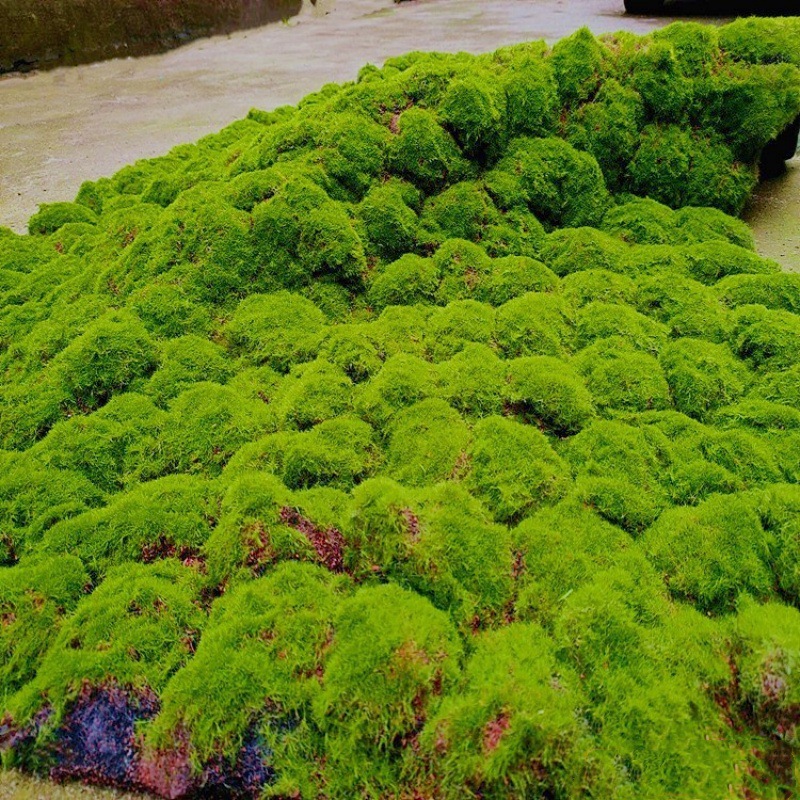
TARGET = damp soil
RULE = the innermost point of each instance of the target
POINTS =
(15, 786)
(774, 215)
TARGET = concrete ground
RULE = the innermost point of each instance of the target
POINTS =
(62, 127)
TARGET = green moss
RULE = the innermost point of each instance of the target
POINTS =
(767, 340)
(310, 394)
(586, 286)
(473, 109)
(279, 329)
(578, 63)
(424, 153)
(338, 452)
(409, 280)
(110, 354)
(460, 212)
(598, 320)
(531, 94)
(514, 721)
(534, 323)
(546, 391)
(460, 323)
(392, 656)
(560, 185)
(184, 361)
(779, 292)
(168, 517)
(205, 426)
(427, 443)
(33, 498)
(513, 468)
(685, 306)
(35, 596)
(266, 638)
(299, 379)
(702, 376)
(712, 225)
(711, 554)
(301, 234)
(561, 549)
(622, 378)
(619, 470)
(403, 381)
(678, 168)
(462, 265)
(390, 219)
(608, 128)
(568, 251)
(52, 216)
(136, 629)
(471, 380)
(512, 276)
(102, 446)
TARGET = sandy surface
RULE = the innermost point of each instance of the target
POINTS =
(62, 127)
(14, 786)
(774, 215)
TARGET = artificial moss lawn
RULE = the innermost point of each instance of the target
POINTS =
(437, 438)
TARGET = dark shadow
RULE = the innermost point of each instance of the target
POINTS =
(719, 8)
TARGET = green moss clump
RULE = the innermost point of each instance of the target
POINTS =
(622, 378)
(512, 276)
(35, 596)
(619, 472)
(388, 212)
(168, 517)
(52, 216)
(110, 354)
(136, 629)
(534, 323)
(311, 393)
(280, 329)
(513, 468)
(678, 168)
(460, 212)
(424, 153)
(548, 392)
(473, 110)
(409, 280)
(702, 376)
(205, 426)
(427, 443)
(778, 292)
(392, 657)
(266, 638)
(471, 380)
(560, 185)
(403, 381)
(711, 554)
(515, 720)
(184, 361)
(578, 63)
(767, 340)
(461, 323)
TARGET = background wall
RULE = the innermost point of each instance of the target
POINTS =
(36, 34)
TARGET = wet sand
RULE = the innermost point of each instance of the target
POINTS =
(774, 215)
(72, 124)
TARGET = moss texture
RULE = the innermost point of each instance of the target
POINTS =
(437, 438)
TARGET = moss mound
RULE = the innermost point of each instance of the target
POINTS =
(436, 438)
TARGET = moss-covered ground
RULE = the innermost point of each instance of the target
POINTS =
(436, 438)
